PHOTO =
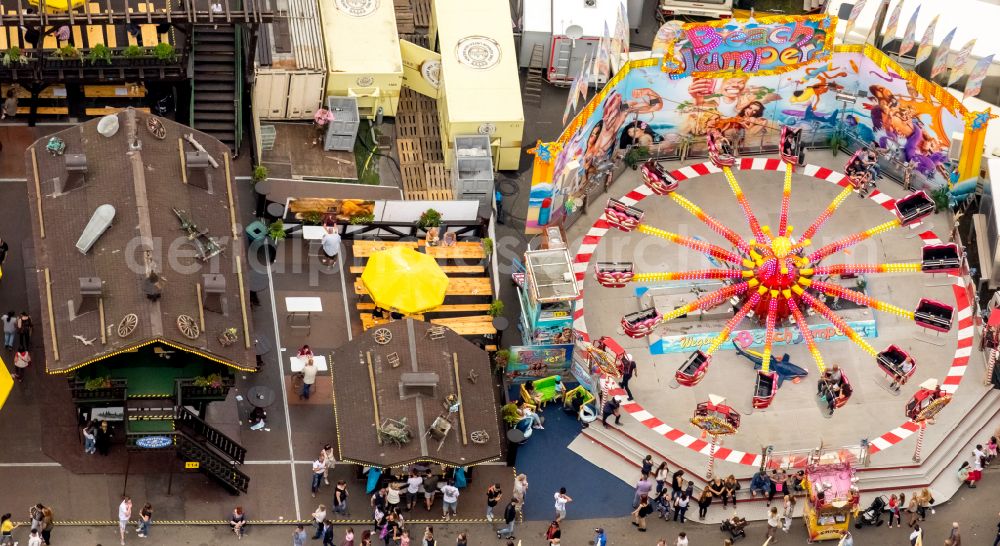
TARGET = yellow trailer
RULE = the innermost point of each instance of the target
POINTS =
(480, 91)
(362, 53)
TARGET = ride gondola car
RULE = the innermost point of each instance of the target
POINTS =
(857, 171)
(933, 315)
(641, 323)
(791, 150)
(945, 258)
(614, 274)
(926, 403)
(898, 366)
(622, 216)
(839, 392)
(725, 418)
(693, 369)
(658, 178)
(914, 207)
(720, 150)
(765, 387)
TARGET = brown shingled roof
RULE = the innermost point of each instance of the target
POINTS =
(143, 187)
(417, 352)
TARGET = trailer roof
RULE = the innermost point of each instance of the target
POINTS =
(539, 16)
(361, 37)
(478, 59)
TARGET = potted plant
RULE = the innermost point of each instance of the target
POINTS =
(941, 198)
(362, 219)
(212, 380)
(13, 56)
(95, 383)
(259, 174)
(67, 52)
(228, 337)
(429, 218)
(164, 52)
(487, 247)
(276, 230)
(133, 51)
(636, 155)
(99, 53)
(500, 360)
(510, 414)
(496, 308)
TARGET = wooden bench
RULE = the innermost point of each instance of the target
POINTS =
(107, 35)
(50, 92)
(457, 286)
(476, 325)
(369, 320)
(114, 91)
(45, 110)
(452, 269)
(108, 110)
(452, 308)
(463, 250)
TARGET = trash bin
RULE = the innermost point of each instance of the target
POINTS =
(256, 230)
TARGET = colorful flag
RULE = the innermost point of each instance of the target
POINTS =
(855, 11)
(893, 24)
(583, 82)
(926, 45)
(623, 21)
(958, 67)
(976, 77)
(941, 59)
(910, 35)
(602, 58)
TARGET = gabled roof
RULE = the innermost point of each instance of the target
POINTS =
(144, 187)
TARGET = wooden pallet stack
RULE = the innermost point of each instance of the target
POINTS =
(404, 17)
(418, 144)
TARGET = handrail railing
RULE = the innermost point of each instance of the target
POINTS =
(185, 419)
(238, 98)
(116, 390)
(211, 463)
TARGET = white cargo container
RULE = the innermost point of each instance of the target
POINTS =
(290, 75)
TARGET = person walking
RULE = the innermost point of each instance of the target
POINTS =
(34, 539)
(682, 539)
(773, 522)
(681, 506)
(600, 538)
(642, 488)
(328, 533)
(299, 536)
(561, 499)
(9, 105)
(554, 534)
(145, 520)
(449, 499)
(46, 525)
(413, 484)
(331, 245)
(519, 491)
(24, 330)
(926, 502)
(661, 475)
(124, 516)
(317, 475)
(677, 483)
(509, 517)
(36, 514)
(428, 537)
(493, 495)
(319, 516)
(611, 407)
(462, 539)
(308, 378)
(22, 359)
(704, 501)
(348, 537)
(329, 461)
(431, 481)
(955, 536)
(644, 509)
(787, 511)
(647, 465)
(102, 439)
(340, 499)
(917, 536)
(89, 439)
(7, 530)
(9, 320)
(846, 540)
(628, 371)
(911, 510)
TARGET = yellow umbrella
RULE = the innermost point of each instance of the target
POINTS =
(404, 280)
(52, 6)
(6, 383)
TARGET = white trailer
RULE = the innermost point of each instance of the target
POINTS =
(568, 31)
(290, 75)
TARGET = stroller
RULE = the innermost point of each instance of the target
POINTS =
(873, 514)
(735, 526)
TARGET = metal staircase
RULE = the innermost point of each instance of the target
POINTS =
(210, 463)
(189, 423)
(216, 87)
(533, 83)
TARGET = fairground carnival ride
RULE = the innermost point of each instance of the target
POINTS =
(773, 278)
(832, 498)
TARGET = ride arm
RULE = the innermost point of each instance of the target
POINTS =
(716, 226)
(852, 240)
(694, 244)
(758, 233)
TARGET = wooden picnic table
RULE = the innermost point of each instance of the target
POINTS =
(475, 325)
(463, 269)
(369, 320)
(457, 286)
(463, 250)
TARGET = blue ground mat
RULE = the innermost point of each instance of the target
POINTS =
(549, 464)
